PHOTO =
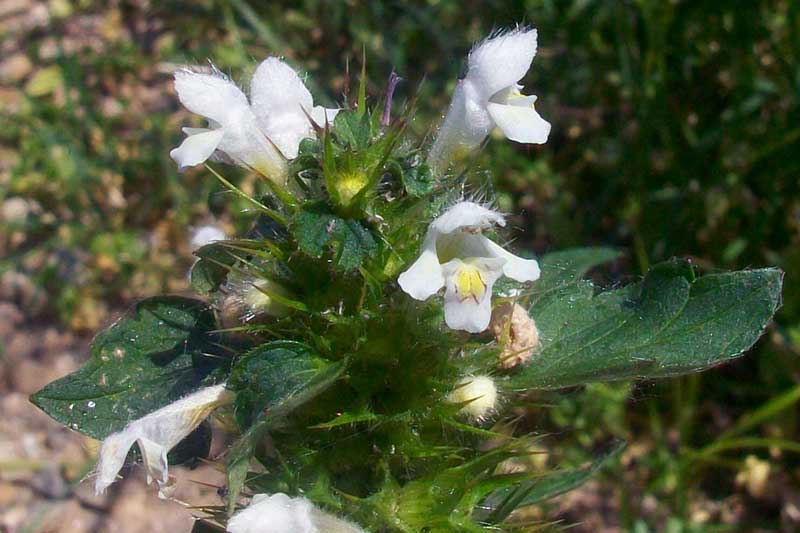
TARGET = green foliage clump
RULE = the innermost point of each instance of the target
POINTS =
(674, 134)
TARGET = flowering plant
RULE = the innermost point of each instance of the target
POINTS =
(358, 401)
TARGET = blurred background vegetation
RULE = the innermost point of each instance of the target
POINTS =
(676, 131)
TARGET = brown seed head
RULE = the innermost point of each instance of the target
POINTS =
(516, 332)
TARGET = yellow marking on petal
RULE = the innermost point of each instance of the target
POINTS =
(469, 283)
(516, 95)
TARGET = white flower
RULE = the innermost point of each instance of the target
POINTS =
(489, 96)
(156, 434)
(278, 513)
(207, 234)
(477, 393)
(282, 105)
(456, 256)
(259, 134)
(233, 135)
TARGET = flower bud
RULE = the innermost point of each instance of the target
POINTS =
(244, 300)
(516, 332)
(477, 393)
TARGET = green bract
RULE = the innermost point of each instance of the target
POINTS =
(341, 398)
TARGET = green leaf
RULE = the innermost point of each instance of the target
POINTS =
(307, 158)
(158, 352)
(210, 271)
(501, 503)
(567, 266)
(309, 147)
(669, 324)
(270, 374)
(351, 243)
(352, 129)
(443, 500)
(418, 180)
(271, 381)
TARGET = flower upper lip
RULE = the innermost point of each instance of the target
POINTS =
(284, 107)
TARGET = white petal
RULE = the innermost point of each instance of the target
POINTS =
(247, 145)
(239, 138)
(459, 245)
(511, 95)
(281, 103)
(515, 267)
(467, 215)
(329, 523)
(112, 458)
(276, 88)
(221, 157)
(322, 116)
(196, 148)
(195, 131)
(521, 124)
(154, 459)
(502, 60)
(468, 314)
(286, 131)
(257, 297)
(156, 434)
(465, 126)
(423, 278)
(279, 513)
(213, 96)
